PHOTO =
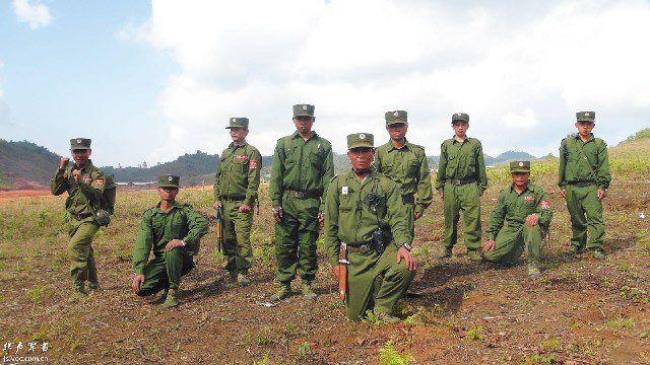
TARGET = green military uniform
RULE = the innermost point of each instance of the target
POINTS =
(300, 173)
(236, 183)
(462, 180)
(584, 168)
(81, 205)
(157, 228)
(507, 224)
(408, 167)
(355, 210)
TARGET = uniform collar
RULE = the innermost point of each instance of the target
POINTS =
(234, 146)
(453, 139)
(406, 146)
(373, 173)
(297, 135)
(175, 205)
(591, 137)
(529, 187)
(87, 167)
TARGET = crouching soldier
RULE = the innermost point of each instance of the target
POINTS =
(172, 231)
(520, 220)
(367, 232)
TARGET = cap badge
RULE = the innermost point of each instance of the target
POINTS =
(304, 107)
(78, 141)
(362, 136)
(396, 114)
(170, 178)
(521, 164)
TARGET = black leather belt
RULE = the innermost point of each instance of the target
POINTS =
(302, 194)
(582, 183)
(461, 181)
(408, 199)
(362, 249)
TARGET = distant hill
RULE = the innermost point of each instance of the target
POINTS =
(493, 161)
(25, 165)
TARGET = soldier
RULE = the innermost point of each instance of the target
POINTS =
(367, 228)
(520, 219)
(85, 186)
(406, 164)
(461, 183)
(235, 190)
(302, 168)
(584, 179)
(171, 230)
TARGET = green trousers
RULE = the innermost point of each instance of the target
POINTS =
(511, 242)
(165, 271)
(375, 282)
(80, 251)
(586, 215)
(466, 199)
(237, 237)
(295, 239)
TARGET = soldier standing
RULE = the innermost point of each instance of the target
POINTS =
(584, 179)
(301, 170)
(85, 186)
(367, 229)
(235, 190)
(461, 183)
(406, 164)
(171, 230)
(519, 221)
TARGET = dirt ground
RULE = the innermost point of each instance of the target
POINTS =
(580, 311)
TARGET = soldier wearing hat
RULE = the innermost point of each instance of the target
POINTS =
(172, 231)
(461, 182)
(584, 179)
(235, 191)
(406, 164)
(367, 231)
(301, 170)
(84, 184)
(520, 220)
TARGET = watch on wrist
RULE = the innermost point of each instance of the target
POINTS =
(407, 247)
(184, 243)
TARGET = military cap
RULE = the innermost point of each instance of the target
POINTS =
(587, 116)
(357, 140)
(303, 110)
(396, 117)
(519, 166)
(80, 144)
(169, 181)
(236, 122)
(460, 117)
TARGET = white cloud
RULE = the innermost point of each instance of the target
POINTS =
(520, 70)
(33, 13)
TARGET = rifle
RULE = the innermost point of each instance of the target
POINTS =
(218, 215)
(343, 270)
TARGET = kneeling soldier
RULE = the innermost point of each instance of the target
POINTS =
(367, 226)
(172, 230)
(521, 218)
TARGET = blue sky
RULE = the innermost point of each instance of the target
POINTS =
(150, 80)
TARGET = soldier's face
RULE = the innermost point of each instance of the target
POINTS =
(167, 194)
(303, 124)
(238, 134)
(460, 128)
(80, 157)
(397, 132)
(361, 158)
(520, 179)
(585, 128)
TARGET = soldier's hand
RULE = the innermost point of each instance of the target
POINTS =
(173, 244)
(244, 208)
(418, 215)
(488, 245)
(563, 193)
(321, 217)
(77, 175)
(63, 163)
(409, 260)
(532, 220)
(137, 282)
(277, 214)
(602, 193)
(216, 204)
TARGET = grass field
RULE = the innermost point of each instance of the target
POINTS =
(580, 311)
